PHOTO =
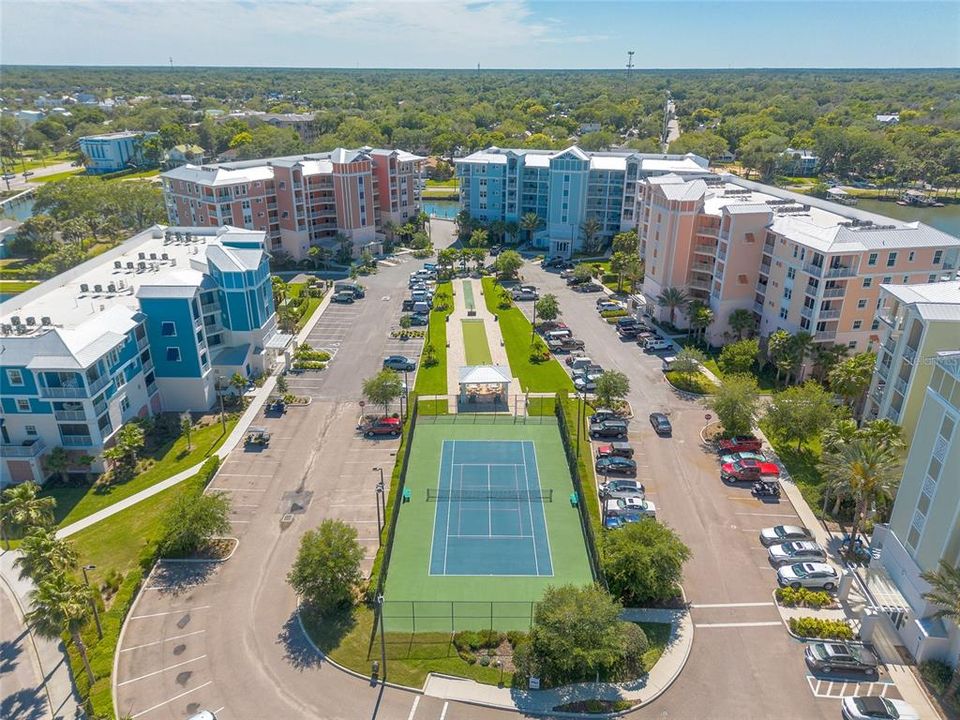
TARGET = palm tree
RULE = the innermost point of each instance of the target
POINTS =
(945, 592)
(61, 605)
(825, 357)
(672, 298)
(512, 227)
(531, 223)
(319, 255)
(23, 508)
(42, 553)
(700, 315)
(389, 228)
(865, 470)
(800, 346)
(279, 290)
(742, 320)
(852, 377)
(590, 228)
(496, 230)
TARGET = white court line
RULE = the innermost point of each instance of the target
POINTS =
(160, 642)
(171, 612)
(161, 670)
(738, 624)
(526, 484)
(498, 537)
(489, 504)
(446, 530)
(730, 605)
(413, 710)
(175, 697)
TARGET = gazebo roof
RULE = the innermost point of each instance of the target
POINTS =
(484, 374)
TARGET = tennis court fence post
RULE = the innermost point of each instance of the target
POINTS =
(413, 615)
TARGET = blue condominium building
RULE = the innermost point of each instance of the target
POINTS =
(144, 328)
(113, 152)
(564, 189)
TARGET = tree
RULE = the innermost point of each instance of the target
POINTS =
(612, 386)
(945, 591)
(547, 308)
(850, 378)
(383, 388)
(590, 230)
(778, 351)
(620, 264)
(633, 271)
(23, 508)
(36, 237)
(43, 554)
(125, 451)
(643, 564)
(576, 634)
(688, 361)
(583, 273)
(761, 152)
(864, 470)
(800, 346)
(319, 256)
(672, 298)
(56, 462)
(530, 222)
(282, 386)
(884, 431)
(326, 573)
(193, 521)
(479, 238)
(739, 357)
(186, 425)
(825, 357)
(742, 321)
(512, 229)
(700, 316)
(508, 263)
(700, 142)
(735, 403)
(800, 413)
(626, 242)
(61, 605)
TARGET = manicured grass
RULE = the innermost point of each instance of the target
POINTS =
(15, 287)
(74, 503)
(547, 376)
(692, 383)
(433, 380)
(802, 466)
(476, 348)
(136, 176)
(56, 177)
(32, 163)
(659, 635)
(766, 379)
(450, 183)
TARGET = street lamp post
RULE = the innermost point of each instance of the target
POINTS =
(383, 640)
(379, 498)
(223, 420)
(93, 603)
(579, 424)
(406, 395)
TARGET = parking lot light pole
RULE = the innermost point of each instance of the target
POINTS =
(93, 603)
(223, 420)
(383, 640)
(379, 499)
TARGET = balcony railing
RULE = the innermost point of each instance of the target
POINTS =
(765, 268)
(758, 307)
(834, 292)
(909, 354)
(62, 392)
(76, 441)
(883, 370)
(99, 384)
(705, 249)
(840, 272)
(900, 385)
(69, 415)
(142, 343)
(722, 254)
(807, 312)
(893, 414)
(25, 450)
(825, 335)
(812, 269)
(711, 232)
(829, 314)
(701, 267)
(699, 284)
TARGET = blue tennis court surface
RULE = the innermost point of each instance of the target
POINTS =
(489, 517)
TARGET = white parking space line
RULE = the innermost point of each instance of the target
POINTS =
(165, 640)
(170, 612)
(228, 489)
(161, 670)
(443, 713)
(175, 697)
(779, 515)
(413, 710)
(175, 587)
(247, 474)
(730, 605)
(770, 623)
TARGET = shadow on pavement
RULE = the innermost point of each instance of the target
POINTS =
(298, 651)
(25, 704)
(176, 578)
(10, 651)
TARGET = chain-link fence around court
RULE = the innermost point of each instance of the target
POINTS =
(451, 616)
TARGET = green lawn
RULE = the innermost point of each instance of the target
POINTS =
(765, 378)
(450, 183)
(693, 383)
(74, 503)
(56, 177)
(31, 163)
(802, 466)
(15, 287)
(476, 347)
(433, 380)
(136, 176)
(546, 376)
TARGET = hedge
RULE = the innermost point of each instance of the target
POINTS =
(801, 596)
(811, 627)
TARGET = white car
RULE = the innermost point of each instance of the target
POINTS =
(796, 551)
(809, 575)
(635, 507)
(876, 708)
(658, 345)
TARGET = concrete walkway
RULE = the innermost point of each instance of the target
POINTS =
(639, 692)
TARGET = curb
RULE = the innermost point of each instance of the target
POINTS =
(236, 544)
(123, 631)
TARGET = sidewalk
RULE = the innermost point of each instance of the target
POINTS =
(639, 692)
(61, 697)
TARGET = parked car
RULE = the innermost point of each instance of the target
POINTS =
(616, 466)
(749, 470)
(407, 305)
(872, 707)
(645, 336)
(351, 287)
(565, 344)
(739, 443)
(576, 282)
(566, 273)
(621, 489)
(782, 533)
(635, 507)
(578, 361)
(523, 294)
(552, 325)
(588, 287)
(383, 426)
(345, 297)
(400, 362)
(609, 429)
(601, 414)
(615, 449)
(627, 321)
(657, 345)
(584, 384)
(419, 319)
(736, 457)
(796, 551)
(555, 261)
(628, 332)
(661, 424)
(829, 656)
(808, 574)
(608, 306)
(591, 373)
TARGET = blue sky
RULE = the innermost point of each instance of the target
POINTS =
(495, 33)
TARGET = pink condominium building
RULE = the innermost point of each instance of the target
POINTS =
(797, 262)
(300, 201)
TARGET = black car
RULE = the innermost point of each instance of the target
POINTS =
(616, 466)
(661, 423)
(407, 305)
(609, 429)
(829, 656)
(601, 414)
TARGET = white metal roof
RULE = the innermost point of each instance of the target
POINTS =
(484, 374)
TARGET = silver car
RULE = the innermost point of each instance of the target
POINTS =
(783, 533)
(621, 489)
(810, 575)
(796, 551)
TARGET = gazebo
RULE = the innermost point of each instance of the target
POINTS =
(488, 384)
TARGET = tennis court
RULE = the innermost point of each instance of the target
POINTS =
(488, 517)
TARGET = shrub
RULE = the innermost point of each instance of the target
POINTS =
(635, 645)
(430, 356)
(309, 365)
(791, 597)
(613, 313)
(539, 352)
(485, 661)
(937, 674)
(517, 637)
(821, 628)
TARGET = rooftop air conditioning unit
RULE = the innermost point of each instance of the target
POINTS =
(45, 320)
(6, 329)
(15, 320)
(31, 320)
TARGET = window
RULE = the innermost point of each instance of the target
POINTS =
(783, 313)
(30, 429)
(787, 293)
(906, 279)
(852, 344)
(891, 259)
(124, 404)
(173, 354)
(283, 184)
(791, 273)
(911, 256)
(857, 324)
(23, 405)
(14, 376)
(931, 278)
(872, 259)
(741, 279)
(887, 279)
(861, 304)
(867, 282)
(168, 329)
(937, 256)
(875, 325)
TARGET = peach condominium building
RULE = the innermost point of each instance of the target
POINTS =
(300, 201)
(796, 262)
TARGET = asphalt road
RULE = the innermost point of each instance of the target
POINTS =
(22, 696)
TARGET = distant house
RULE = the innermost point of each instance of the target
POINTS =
(183, 154)
(113, 152)
(888, 119)
(8, 229)
(28, 117)
(726, 156)
(591, 127)
(800, 162)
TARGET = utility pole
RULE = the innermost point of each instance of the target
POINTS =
(629, 62)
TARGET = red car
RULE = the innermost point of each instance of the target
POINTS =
(739, 443)
(748, 470)
(383, 426)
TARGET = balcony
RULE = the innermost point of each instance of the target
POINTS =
(893, 414)
(765, 268)
(910, 355)
(142, 343)
(834, 292)
(824, 335)
(705, 249)
(900, 385)
(710, 232)
(840, 272)
(699, 285)
(758, 307)
(702, 267)
(28, 449)
(99, 408)
(721, 254)
(62, 392)
(815, 270)
(829, 314)
(70, 415)
(883, 370)
(99, 384)
(76, 441)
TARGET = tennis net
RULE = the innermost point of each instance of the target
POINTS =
(434, 494)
